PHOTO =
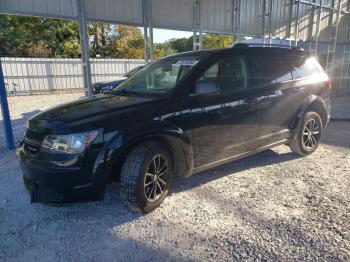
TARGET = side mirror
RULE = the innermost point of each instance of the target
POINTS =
(206, 87)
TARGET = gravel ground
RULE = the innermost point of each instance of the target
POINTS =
(271, 206)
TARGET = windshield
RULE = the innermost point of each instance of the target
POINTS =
(160, 77)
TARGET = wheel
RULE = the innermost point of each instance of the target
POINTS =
(308, 135)
(146, 177)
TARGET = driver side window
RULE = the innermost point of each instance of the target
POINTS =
(229, 72)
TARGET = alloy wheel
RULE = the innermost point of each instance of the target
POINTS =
(311, 134)
(155, 182)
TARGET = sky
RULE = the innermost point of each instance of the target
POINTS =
(162, 35)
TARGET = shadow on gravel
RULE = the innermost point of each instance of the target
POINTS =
(265, 158)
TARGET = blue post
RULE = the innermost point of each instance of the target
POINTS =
(6, 113)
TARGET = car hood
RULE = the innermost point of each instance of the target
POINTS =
(88, 108)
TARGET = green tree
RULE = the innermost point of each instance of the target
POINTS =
(181, 44)
(216, 41)
(32, 36)
(126, 42)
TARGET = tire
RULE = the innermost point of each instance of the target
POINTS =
(150, 158)
(306, 141)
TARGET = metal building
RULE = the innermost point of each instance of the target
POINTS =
(323, 24)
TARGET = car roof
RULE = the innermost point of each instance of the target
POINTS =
(244, 49)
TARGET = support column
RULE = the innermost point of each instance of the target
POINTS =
(197, 28)
(145, 28)
(270, 22)
(6, 113)
(236, 19)
(263, 20)
(150, 31)
(84, 46)
(145, 36)
(290, 20)
(297, 22)
(318, 26)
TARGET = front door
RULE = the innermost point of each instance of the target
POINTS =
(226, 123)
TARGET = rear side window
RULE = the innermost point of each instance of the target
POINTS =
(304, 67)
(273, 69)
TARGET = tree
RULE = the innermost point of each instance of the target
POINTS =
(163, 49)
(126, 43)
(41, 37)
(216, 41)
(181, 44)
(31, 36)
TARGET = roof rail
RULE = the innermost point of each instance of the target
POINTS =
(266, 45)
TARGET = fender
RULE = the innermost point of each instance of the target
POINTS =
(309, 102)
(118, 145)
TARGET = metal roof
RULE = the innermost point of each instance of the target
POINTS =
(205, 15)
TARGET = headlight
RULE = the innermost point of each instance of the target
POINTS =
(69, 144)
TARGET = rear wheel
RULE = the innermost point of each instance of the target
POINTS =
(146, 177)
(308, 135)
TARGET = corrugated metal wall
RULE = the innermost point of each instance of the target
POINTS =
(115, 11)
(47, 8)
(215, 16)
(173, 14)
(38, 75)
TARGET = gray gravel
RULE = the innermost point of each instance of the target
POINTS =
(271, 206)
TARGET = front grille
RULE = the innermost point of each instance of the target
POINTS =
(32, 141)
(45, 194)
(41, 193)
(31, 148)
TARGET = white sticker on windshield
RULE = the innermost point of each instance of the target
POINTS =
(186, 62)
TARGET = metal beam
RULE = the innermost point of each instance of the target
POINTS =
(290, 21)
(235, 19)
(150, 30)
(145, 37)
(270, 22)
(297, 22)
(145, 29)
(318, 26)
(84, 46)
(311, 22)
(263, 19)
(10, 143)
(330, 8)
(197, 28)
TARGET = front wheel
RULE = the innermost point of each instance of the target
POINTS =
(146, 176)
(308, 135)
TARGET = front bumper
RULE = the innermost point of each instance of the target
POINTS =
(49, 183)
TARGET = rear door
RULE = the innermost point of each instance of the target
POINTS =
(276, 73)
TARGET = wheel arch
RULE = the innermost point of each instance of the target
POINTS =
(176, 141)
(311, 103)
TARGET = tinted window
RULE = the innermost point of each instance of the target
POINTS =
(159, 77)
(211, 73)
(304, 67)
(231, 73)
(273, 69)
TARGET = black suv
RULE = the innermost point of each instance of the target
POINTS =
(174, 117)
